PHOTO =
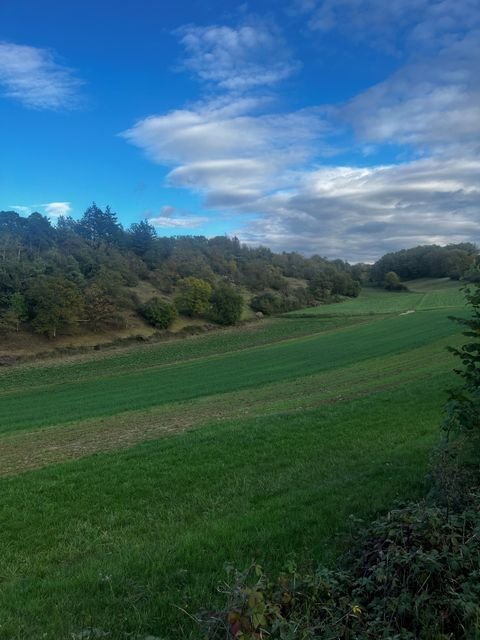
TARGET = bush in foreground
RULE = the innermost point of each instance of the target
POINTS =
(413, 575)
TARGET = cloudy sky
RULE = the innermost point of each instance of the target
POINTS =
(346, 128)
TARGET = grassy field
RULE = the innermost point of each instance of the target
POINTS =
(421, 295)
(131, 478)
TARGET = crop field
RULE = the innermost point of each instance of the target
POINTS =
(130, 478)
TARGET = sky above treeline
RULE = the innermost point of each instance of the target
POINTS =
(347, 128)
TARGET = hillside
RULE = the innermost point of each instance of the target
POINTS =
(138, 474)
(89, 281)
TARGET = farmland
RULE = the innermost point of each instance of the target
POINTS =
(421, 295)
(130, 478)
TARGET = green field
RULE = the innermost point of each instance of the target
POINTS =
(130, 478)
(421, 295)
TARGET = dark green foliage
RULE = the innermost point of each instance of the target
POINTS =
(321, 286)
(158, 313)
(267, 303)
(226, 305)
(55, 303)
(289, 300)
(473, 274)
(96, 250)
(429, 261)
(469, 353)
(333, 282)
(464, 403)
(325, 285)
(99, 226)
(457, 460)
(141, 237)
(15, 314)
(412, 575)
(343, 284)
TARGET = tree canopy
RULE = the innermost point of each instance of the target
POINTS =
(95, 264)
(427, 261)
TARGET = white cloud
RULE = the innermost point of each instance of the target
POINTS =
(263, 164)
(52, 209)
(32, 76)
(57, 209)
(361, 213)
(189, 222)
(167, 211)
(229, 154)
(242, 157)
(432, 103)
(21, 209)
(173, 218)
(237, 59)
(396, 25)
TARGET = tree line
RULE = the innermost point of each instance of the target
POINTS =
(84, 273)
(455, 261)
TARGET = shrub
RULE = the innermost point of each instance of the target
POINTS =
(194, 296)
(267, 303)
(158, 313)
(226, 305)
(413, 574)
(392, 282)
(456, 469)
(290, 300)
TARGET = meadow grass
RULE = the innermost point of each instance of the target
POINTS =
(54, 403)
(23, 450)
(141, 357)
(117, 542)
(422, 294)
(249, 444)
(433, 284)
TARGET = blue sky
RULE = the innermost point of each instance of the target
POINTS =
(346, 128)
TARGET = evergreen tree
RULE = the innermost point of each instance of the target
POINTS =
(99, 226)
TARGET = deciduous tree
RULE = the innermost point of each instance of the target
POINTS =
(194, 296)
(55, 303)
(158, 313)
(226, 305)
